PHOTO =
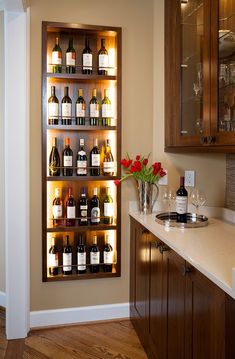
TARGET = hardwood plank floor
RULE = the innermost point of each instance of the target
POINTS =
(106, 340)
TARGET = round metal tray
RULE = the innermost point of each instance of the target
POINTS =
(193, 220)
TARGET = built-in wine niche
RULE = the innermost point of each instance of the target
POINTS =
(81, 149)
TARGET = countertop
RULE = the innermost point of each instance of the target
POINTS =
(210, 249)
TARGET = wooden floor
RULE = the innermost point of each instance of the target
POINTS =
(107, 340)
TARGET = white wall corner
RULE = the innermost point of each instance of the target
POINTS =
(14, 5)
(2, 299)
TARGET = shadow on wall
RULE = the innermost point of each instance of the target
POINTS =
(230, 181)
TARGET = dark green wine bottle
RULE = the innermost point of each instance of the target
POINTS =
(70, 58)
(56, 59)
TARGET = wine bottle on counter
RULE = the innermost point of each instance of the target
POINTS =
(181, 202)
(83, 208)
(81, 160)
(67, 159)
(70, 209)
(94, 256)
(108, 163)
(106, 109)
(53, 258)
(108, 207)
(67, 258)
(81, 256)
(56, 58)
(66, 106)
(57, 209)
(53, 108)
(80, 109)
(94, 109)
(87, 59)
(108, 254)
(103, 59)
(54, 159)
(70, 58)
(95, 208)
(95, 159)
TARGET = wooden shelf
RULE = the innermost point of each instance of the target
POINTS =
(82, 178)
(81, 128)
(80, 77)
(99, 227)
(61, 277)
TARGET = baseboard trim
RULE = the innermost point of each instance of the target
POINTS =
(45, 318)
(2, 299)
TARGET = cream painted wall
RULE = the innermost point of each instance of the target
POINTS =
(210, 168)
(2, 164)
(136, 19)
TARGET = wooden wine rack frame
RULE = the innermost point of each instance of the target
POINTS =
(51, 30)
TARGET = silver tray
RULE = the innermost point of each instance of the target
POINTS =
(193, 220)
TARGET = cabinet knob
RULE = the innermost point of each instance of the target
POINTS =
(185, 270)
(156, 244)
(163, 248)
(210, 139)
(145, 231)
(203, 140)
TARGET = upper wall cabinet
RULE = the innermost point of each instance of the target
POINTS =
(200, 75)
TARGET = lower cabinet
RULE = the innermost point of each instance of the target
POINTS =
(176, 311)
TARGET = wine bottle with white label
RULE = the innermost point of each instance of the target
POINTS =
(94, 109)
(81, 159)
(87, 59)
(70, 209)
(83, 208)
(80, 109)
(108, 207)
(57, 209)
(67, 258)
(94, 256)
(103, 59)
(108, 163)
(66, 108)
(56, 58)
(95, 159)
(54, 159)
(81, 256)
(106, 109)
(53, 108)
(181, 202)
(53, 258)
(67, 159)
(95, 208)
(70, 58)
(108, 254)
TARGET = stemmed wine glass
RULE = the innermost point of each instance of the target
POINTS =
(169, 196)
(197, 198)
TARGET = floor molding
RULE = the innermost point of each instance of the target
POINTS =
(44, 318)
(2, 299)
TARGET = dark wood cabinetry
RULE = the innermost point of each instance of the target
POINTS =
(177, 312)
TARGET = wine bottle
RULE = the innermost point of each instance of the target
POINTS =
(108, 207)
(66, 108)
(67, 258)
(181, 202)
(81, 160)
(95, 159)
(103, 59)
(53, 108)
(83, 208)
(94, 256)
(108, 164)
(87, 59)
(56, 59)
(95, 208)
(54, 159)
(94, 109)
(106, 110)
(57, 209)
(67, 159)
(70, 58)
(53, 258)
(108, 254)
(80, 109)
(81, 256)
(70, 209)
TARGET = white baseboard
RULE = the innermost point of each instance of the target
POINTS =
(2, 299)
(44, 318)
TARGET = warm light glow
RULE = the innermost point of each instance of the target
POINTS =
(112, 61)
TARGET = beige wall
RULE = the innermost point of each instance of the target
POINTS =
(210, 168)
(2, 172)
(136, 19)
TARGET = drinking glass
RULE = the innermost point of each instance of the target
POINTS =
(169, 197)
(197, 198)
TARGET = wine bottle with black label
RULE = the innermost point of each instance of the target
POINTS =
(53, 108)
(87, 59)
(70, 209)
(67, 258)
(106, 109)
(94, 109)
(80, 109)
(103, 59)
(95, 208)
(57, 209)
(81, 256)
(181, 202)
(67, 159)
(95, 159)
(70, 58)
(108, 207)
(81, 160)
(53, 258)
(54, 159)
(108, 163)
(56, 58)
(108, 254)
(66, 108)
(83, 208)
(94, 256)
